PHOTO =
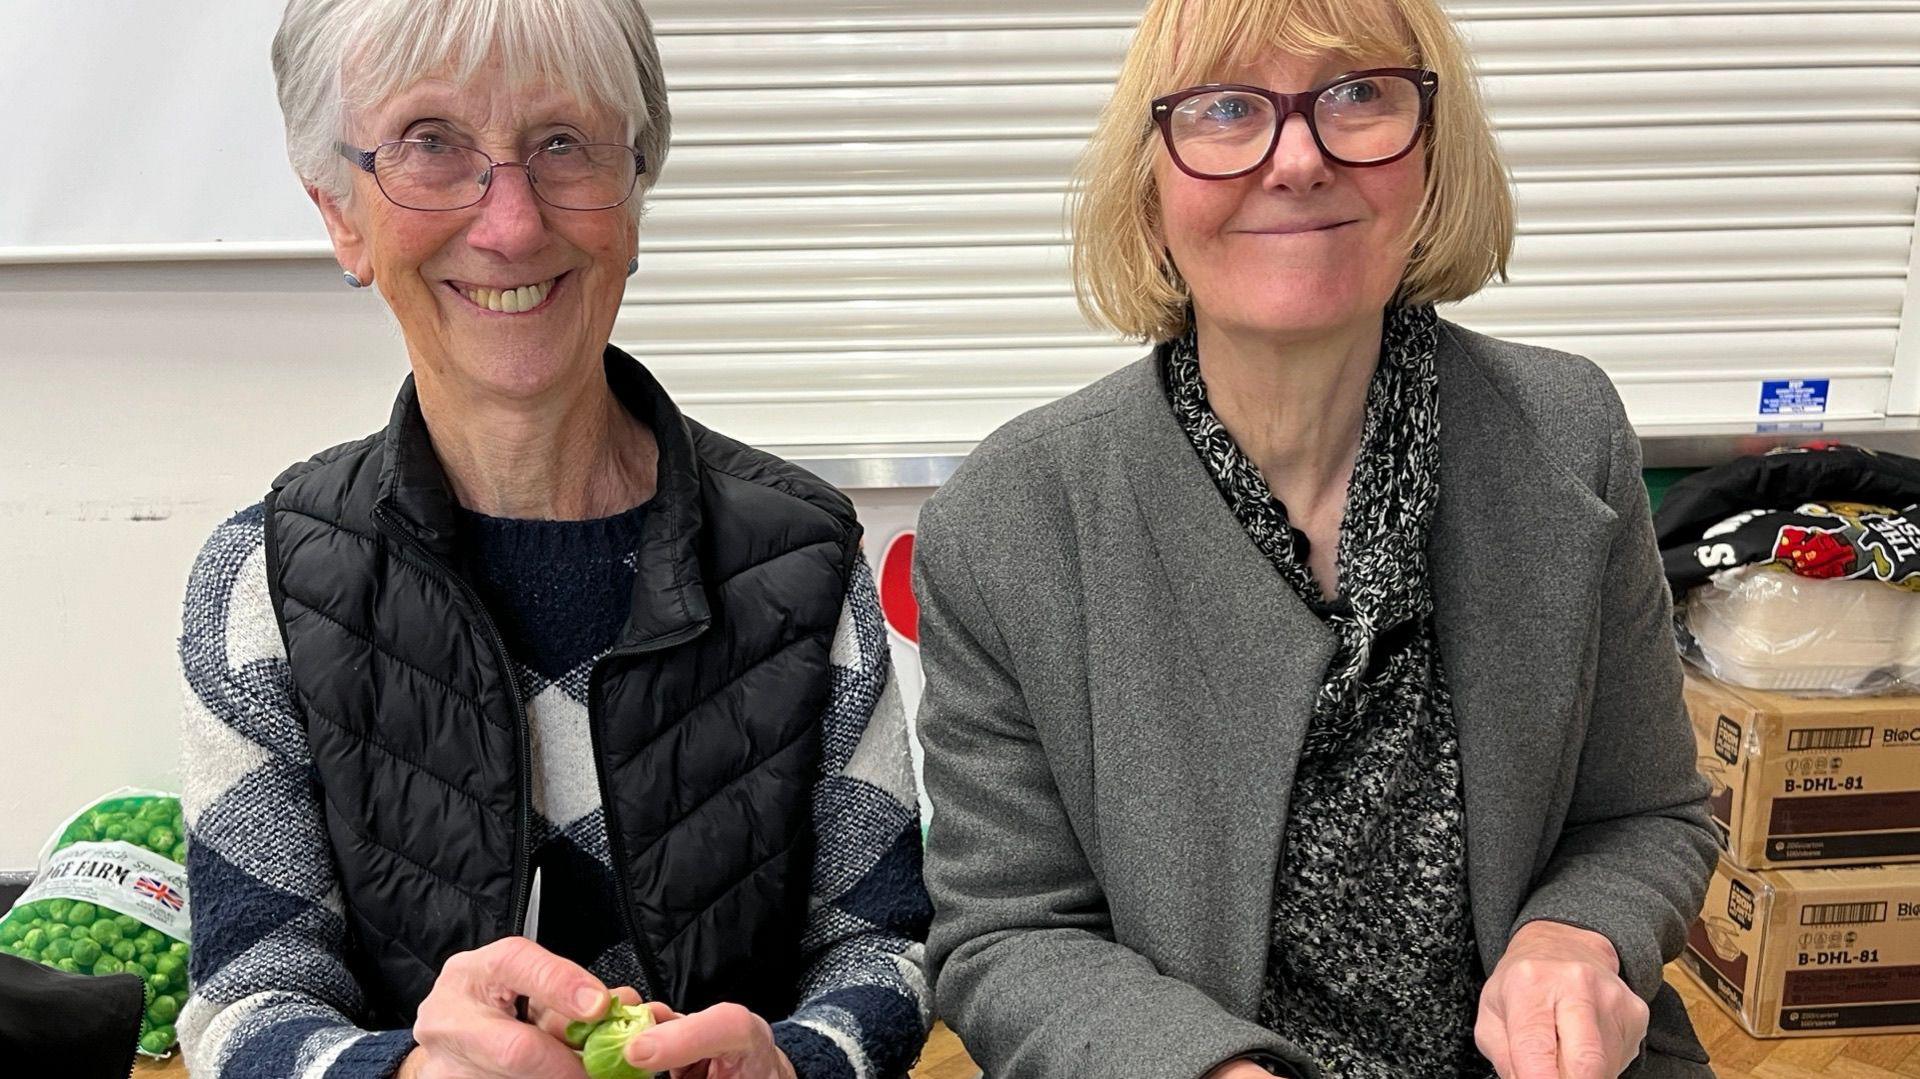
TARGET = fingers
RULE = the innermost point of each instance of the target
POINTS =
(516, 966)
(1533, 1040)
(468, 1037)
(722, 1031)
(556, 1024)
(1583, 1052)
(1490, 1037)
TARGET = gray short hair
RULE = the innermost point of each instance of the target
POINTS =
(333, 57)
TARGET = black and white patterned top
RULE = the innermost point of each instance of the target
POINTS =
(1371, 968)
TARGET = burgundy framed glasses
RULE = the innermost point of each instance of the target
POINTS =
(427, 174)
(1361, 119)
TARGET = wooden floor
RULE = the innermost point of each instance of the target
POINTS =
(1735, 1055)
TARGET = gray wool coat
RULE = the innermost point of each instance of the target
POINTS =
(1118, 683)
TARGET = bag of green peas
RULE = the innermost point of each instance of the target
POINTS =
(110, 897)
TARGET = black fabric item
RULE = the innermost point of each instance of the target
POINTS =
(73, 1025)
(1781, 480)
(705, 714)
(1829, 542)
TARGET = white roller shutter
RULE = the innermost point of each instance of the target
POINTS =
(858, 239)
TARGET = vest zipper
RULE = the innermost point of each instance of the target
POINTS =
(523, 853)
(616, 843)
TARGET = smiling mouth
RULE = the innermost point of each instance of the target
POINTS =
(519, 300)
(1297, 231)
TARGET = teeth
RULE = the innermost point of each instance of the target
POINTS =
(513, 300)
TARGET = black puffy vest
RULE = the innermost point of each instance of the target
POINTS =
(705, 716)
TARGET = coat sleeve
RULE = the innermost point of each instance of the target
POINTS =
(1026, 968)
(1638, 846)
(271, 995)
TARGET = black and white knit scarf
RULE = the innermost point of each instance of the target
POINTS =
(1371, 966)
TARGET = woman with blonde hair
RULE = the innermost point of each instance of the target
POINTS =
(1301, 699)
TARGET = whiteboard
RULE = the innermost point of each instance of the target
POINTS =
(144, 122)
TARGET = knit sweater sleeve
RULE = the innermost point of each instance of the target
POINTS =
(864, 1003)
(271, 993)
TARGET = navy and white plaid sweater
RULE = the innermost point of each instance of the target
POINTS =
(271, 994)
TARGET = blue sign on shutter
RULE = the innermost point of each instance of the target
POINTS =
(1793, 397)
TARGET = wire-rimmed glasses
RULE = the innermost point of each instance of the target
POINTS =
(427, 174)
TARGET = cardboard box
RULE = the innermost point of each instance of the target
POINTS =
(1800, 952)
(1809, 781)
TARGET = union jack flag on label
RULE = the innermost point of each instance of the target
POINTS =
(159, 892)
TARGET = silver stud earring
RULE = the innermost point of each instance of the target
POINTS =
(352, 281)
(633, 266)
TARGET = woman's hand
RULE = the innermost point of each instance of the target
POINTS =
(1555, 1007)
(724, 1042)
(467, 1029)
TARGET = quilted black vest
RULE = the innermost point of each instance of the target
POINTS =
(705, 716)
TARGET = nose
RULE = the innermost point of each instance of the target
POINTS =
(1297, 163)
(510, 221)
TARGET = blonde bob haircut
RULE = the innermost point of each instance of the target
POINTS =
(333, 59)
(1461, 239)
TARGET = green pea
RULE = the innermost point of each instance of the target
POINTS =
(124, 950)
(107, 964)
(59, 949)
(81, 914)
(67, 965)
(57, 908)
(86, 951)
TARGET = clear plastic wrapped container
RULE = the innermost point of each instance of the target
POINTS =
(1762, 627)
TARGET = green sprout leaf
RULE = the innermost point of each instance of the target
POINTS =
(603, 1044)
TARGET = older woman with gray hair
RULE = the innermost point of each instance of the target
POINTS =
(542, 688)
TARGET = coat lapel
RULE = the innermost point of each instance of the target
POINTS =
(1261, 653)
(1517, 554)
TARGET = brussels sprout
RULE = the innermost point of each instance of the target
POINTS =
(67, 965)
(81, 914)
(164, 1010)
(124, 950)
(108, 965)
(61, 948)
(34, 939)
(603, 1044)
(58, 931)
(86, 951)
(158, 1040)
(105, 932)
(57, 909)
